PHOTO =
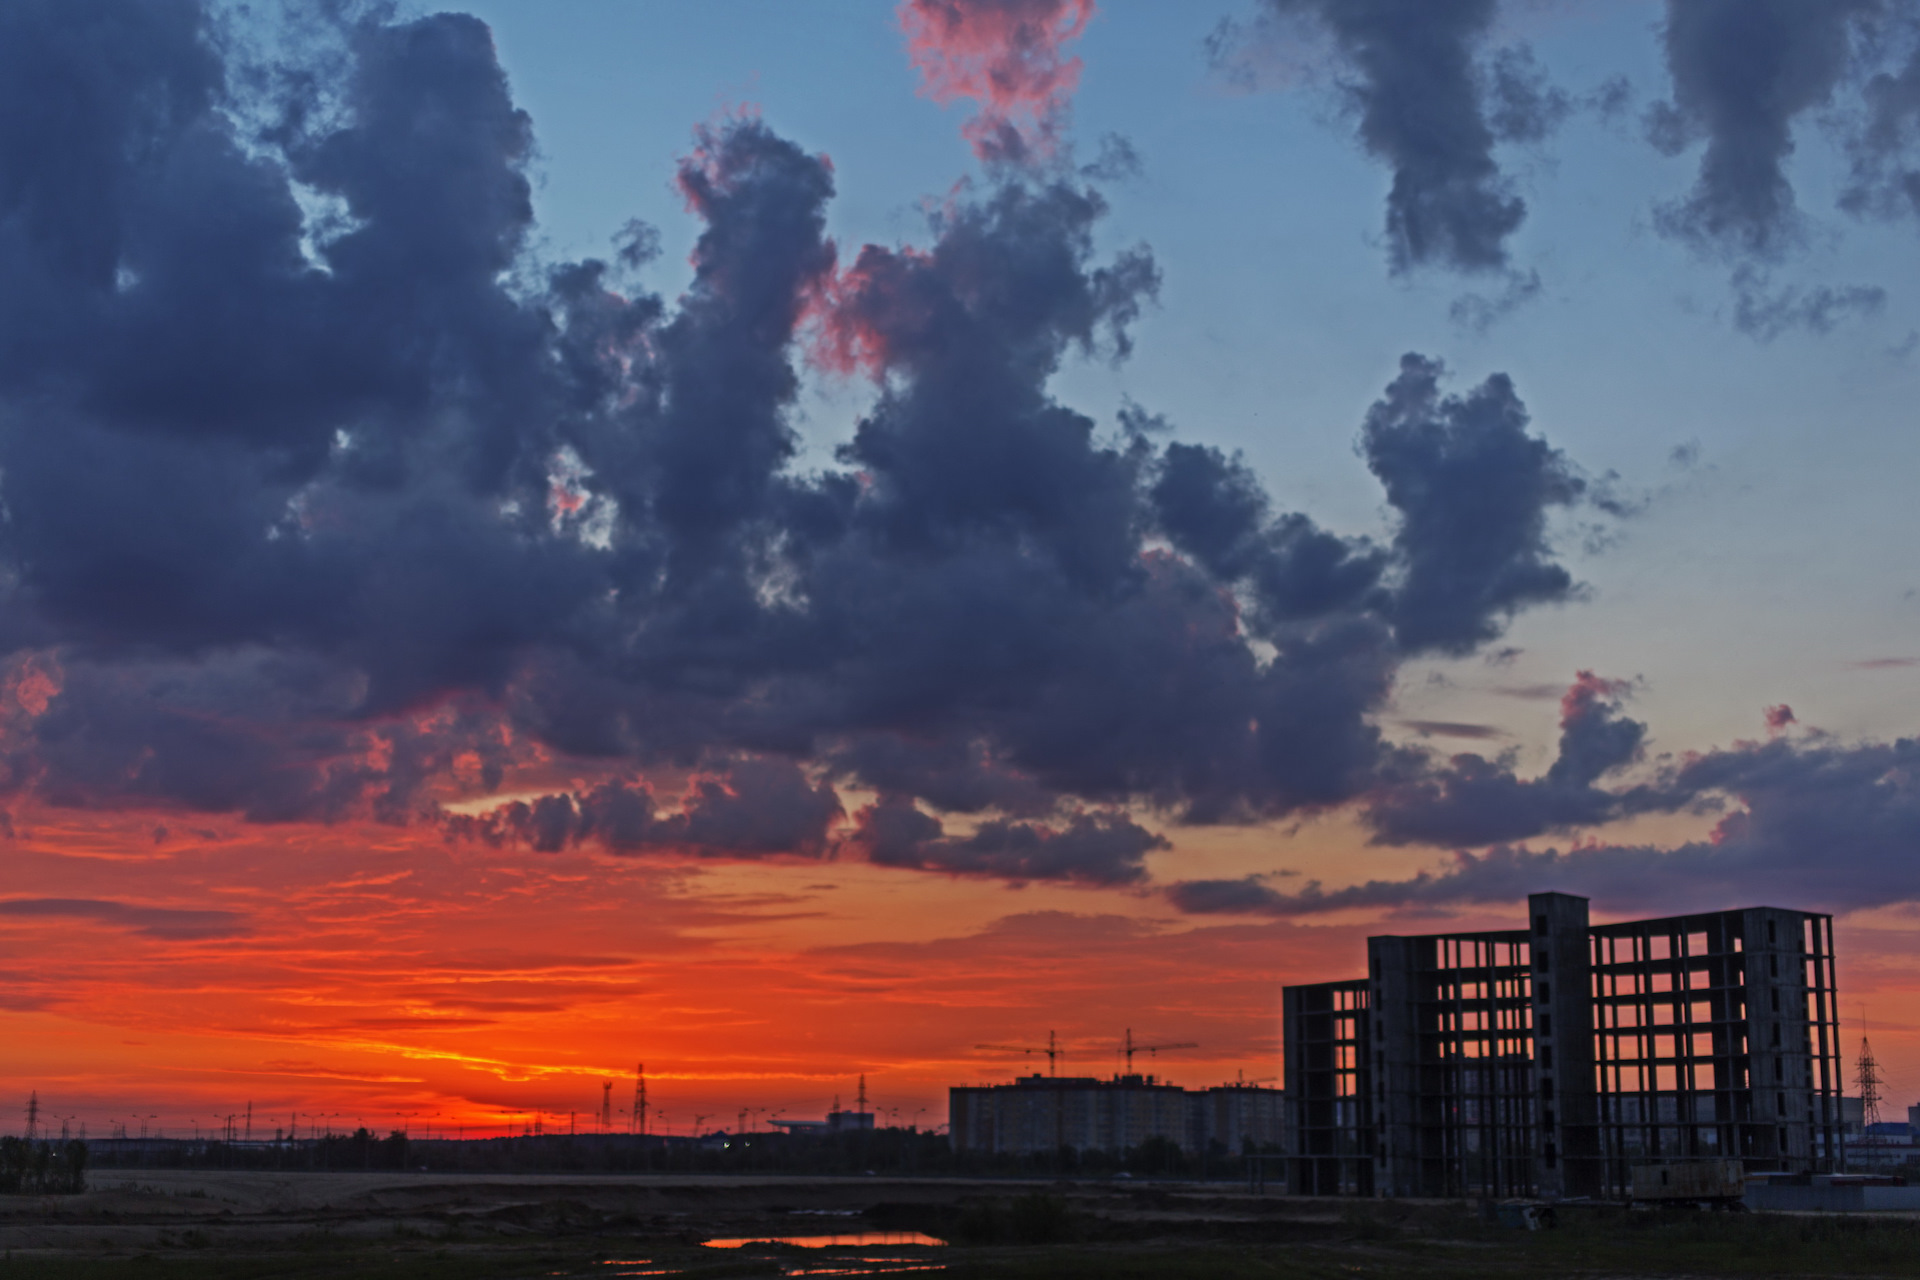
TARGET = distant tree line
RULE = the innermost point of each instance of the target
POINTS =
(888, 1151)
(362, 1149)
(29, 1168)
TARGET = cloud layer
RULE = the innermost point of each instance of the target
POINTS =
(1804, 819)
(320, 514)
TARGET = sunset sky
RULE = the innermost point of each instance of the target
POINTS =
(787, 541)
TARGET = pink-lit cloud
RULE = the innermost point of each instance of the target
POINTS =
(1007, 56)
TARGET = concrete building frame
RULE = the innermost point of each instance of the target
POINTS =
(1549, 1060)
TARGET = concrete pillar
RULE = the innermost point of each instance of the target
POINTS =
(1567, 1156)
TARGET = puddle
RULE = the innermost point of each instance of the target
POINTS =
(845, 1240)
(868, 1267)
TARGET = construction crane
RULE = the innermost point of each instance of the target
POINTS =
(1240, 1079)
(1052, 1050)
(1130, 1048)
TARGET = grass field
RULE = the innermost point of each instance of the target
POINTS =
(233, 1226)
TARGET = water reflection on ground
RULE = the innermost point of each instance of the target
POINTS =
(844, 1240)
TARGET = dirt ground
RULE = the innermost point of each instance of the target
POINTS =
(159, 1224)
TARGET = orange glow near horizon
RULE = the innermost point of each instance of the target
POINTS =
(377, 975)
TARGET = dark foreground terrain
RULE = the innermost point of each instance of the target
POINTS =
(156, 1225)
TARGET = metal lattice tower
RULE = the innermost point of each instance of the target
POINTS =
(637, 1122)
(33, 1116)
(606, 1106)
(1867, 1075)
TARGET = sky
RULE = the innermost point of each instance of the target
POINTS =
(785, 542)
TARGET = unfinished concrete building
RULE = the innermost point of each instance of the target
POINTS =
(1550, 1060)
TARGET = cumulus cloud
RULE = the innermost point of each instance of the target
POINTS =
(760, 807)
(1810, 821)
(1009, 57)
(1472, 800)
(1431, 103)
(313, 517)
(1473, 490)
(1744, 72)
(1089, 848)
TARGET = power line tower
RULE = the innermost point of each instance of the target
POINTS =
(1868, 1077)
(860, 1103)
(33, 1116)
(606, 1106)
(637, 1122)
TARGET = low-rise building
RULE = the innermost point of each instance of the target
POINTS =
(836, 1122)
(1037, 1114)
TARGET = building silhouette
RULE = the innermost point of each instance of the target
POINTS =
(1038, 1114)
(1549, 1060)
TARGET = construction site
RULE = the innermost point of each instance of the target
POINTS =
(1592, 1078)
(1552, 1059)
(1076, 1115)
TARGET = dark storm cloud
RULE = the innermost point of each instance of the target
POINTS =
(1432, 109)
(271, 737)
(1091, 848)
(1807, 820)
(1248, 895)
(951, 774)
(721, 437)
(1744, 73)
(760, 807)
(1476, 801)
(1215, 510)
(153, 922)
(1473, 490)
(221, 443)
(324, 498)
